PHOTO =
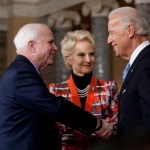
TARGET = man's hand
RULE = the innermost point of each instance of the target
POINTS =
(106, 131)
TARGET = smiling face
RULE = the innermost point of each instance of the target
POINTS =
(45, 48)
(83, 58)
(119, 37)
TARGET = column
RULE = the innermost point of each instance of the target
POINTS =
(144, 7)
(60, 22)
(99, 18)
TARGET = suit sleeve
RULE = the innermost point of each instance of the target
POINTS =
(32, 93)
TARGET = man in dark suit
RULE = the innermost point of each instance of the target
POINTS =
(27, 110)
(128, 35)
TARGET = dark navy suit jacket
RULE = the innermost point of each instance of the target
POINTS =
(134, 107)
(28, 111)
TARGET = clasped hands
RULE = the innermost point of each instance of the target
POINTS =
(106, 131)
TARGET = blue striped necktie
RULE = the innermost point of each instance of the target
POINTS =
(125, 71)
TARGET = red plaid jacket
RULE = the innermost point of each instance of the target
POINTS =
(101, 101)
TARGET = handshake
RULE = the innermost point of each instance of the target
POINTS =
(105, 129)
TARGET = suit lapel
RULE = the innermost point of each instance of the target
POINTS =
(134, 67)
(129, 75)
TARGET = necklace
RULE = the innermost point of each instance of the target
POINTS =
(75, 94)
(83, 93)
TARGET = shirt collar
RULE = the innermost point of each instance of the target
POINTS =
(137, 51)
(36, 67)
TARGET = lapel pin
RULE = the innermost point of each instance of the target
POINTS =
(124, 91)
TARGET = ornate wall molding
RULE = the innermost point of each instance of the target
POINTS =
(35, 8)
(32, 8)
(5, 11)
(141, 1)
(4, 15)
(4, 2)
(64, 19)
(98, 7)
(3, 25)
(29, 1)
(128, 1)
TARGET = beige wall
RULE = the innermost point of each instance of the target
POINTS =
(118, 65)
(14, 24)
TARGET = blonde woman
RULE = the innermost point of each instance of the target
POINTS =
(98, 97)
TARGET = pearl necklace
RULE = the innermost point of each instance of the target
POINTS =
(83, 93)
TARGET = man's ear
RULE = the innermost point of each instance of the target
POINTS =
(31, 45)
(131, 31)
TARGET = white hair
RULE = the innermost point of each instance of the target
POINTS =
(130, 15)
(29, 32)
